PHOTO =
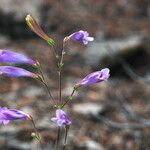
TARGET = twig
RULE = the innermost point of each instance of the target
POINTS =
(126, 107)
(123, 125)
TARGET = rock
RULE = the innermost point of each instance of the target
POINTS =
(88, 108)
(11, 134)
(101, 49)
(10, 96)
(92, 145)
(45, 122)
(69, 84)
(13, 13)
(18, 145)
(9, 130)
(148, 11)
(33, 91)
(20, 9)
(4, 40)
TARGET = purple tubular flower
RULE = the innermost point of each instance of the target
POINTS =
(82, 36)
(7, 115)
(95, 77)
(10, 56)
(61, 118)
(15, 72)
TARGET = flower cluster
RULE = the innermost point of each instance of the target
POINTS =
(14, 57)
(6, 56)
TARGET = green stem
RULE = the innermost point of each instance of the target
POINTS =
(37, 133)
(58, 137)
(55, 53)
(44, 82)
(70, 98)
(60, 67)
(47, 88)
(66, 134)
(62, 53)
(60, 85)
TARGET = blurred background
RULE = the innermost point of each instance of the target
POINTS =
(113, 115)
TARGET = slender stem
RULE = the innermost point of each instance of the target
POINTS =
(55, 55)
(49, 93)
(6, 141)
(60, 85)
(44, 82)
(37, 133)
(66, 134)
(60, 67)
(70, 98)
(62, 53)
(58, 137)
(54, 52)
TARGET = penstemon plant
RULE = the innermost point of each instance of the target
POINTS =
(61, 119)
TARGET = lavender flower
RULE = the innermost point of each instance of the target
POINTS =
(82, 36)
(15, 72)
(7, 115)
(95, 77)
(10, 56)
(61, 118)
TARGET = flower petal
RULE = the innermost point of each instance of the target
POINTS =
(54, 119)
(90, 39)
(10, 56)
(59, 113)
(15, 72)
(94, 77)
(61, 118)
(7, 115)
(82, 36)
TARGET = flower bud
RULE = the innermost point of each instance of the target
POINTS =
(31, 22)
